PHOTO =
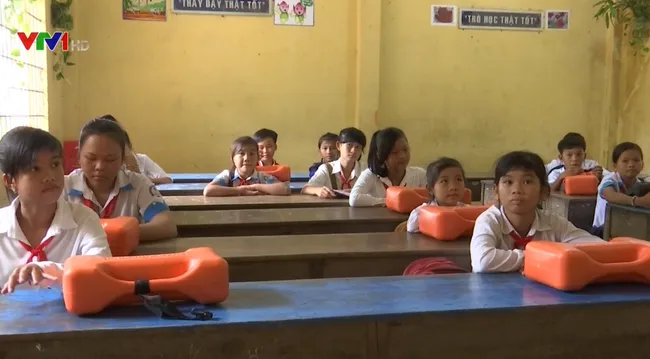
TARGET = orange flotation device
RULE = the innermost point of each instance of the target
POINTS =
(406, 199)
(123, 234)
(92, 283)
(585, 184)
(282, 173)
(449, 223)
(571, 267)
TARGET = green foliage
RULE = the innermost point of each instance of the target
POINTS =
(632, 15)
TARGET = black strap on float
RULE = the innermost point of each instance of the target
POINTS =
(165, 309)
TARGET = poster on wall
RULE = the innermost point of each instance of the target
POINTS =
(155, 10)
(294, 12)
(557, 19)
(223, 7)
(443, 15)
(501, 19)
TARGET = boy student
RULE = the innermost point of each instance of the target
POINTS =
(571, 161)
(267, 144)
(327, 149)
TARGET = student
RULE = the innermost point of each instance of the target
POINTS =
(340, 174)
(141, 163)
(628, 163)
(571, 161)
(102, 185)
(40, 230)
(446, 185)
(267, 144)
(502, 232)
(243, 179)
(328, 151)
(388, 165)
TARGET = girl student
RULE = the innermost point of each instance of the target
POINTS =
(104, 186)
(446, 185)
(243, 179)
(141, 163)
(502, 232)
(39, 230)
(388, 165)
(340, 174)
(628, 163)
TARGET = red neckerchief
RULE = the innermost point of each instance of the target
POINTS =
(520, 243)
(243, 182)
(108, 211)
(37, 252)
(346, 182)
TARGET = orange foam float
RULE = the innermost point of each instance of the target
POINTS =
(585, 184)
(92, 284)
(122, 233)
(449, 223)
(406, 199)
(571, 267)
(282, 173)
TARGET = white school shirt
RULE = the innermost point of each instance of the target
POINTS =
(554, 171)
(322, 176)
(370, 189)
(491, 248)
(413, 224)
(148, 167)
(614, 181)
(76, 230)
(137, 196)
(223, 179)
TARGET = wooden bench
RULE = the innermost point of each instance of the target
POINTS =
(473, 181)
(202, 203)
(460, 315)
(487, 191)
(196, 189)
(284, 221)
(208, 177)
(579, 210)
(318, 255)
(626, 221)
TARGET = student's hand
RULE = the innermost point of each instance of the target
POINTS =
(326, 192)
(131, 163)
(598, 171)
(31, 273)
(248, 190)
(572, 171)
(643, 201)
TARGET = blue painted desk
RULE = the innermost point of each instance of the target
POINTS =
(627, 221)
(208, 177)
(462, 316)
(196, 189)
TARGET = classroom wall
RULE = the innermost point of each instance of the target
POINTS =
(185, 88)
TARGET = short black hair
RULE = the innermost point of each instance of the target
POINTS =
(353, 135)
(625, 146)
(103, 127)
(521, 160)
(332, 137)
(381, 145)
(265, 133)
(19, 148)
(112, 118)
(436, 167)
(570, 141)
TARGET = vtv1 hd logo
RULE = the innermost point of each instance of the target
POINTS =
(52, 40)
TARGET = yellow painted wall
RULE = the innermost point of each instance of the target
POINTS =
(185, 88)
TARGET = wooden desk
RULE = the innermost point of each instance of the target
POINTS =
(365, 318)
(473, 182)
(627, 221)
(284, 221)
(196, 189)
(208, 177)
(579, 210)
(202, 203)
(318, 255)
